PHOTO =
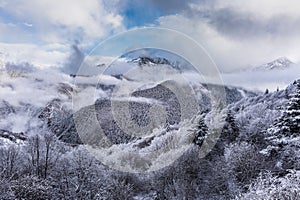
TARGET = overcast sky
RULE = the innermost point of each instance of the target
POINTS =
(235, 33)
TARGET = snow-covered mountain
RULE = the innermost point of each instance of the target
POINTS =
(282, 63)
(32, 98)
(151, 61)
(181, 66)
(273, 75)
(36, 106)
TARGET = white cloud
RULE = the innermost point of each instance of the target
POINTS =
(37, 26)
(232, 42)
(27, 24)
(38, 55)
(235, 33)
(89, 16)
(11, 32)
(261, 80)
(265, 8)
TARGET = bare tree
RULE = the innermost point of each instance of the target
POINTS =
(44, 151)
(9, 157)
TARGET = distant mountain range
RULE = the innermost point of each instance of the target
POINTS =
(61, 88)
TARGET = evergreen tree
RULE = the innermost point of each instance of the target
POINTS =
(230, 130)
(267, 91)
(200, 131)
(289, 123)
(283, 135)
(229, 134)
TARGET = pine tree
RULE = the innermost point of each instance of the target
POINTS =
(230, 130)
(289, 123)
(229, 134)
(284, 135)
(267, 91)
(201, 131)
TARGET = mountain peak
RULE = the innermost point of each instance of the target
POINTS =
(280, 63)
(151, 61)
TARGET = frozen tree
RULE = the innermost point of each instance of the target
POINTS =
(9, 161)
(283, 136)
(43, 153)
(244, 162)
(83, 182)
(268, 187)
(229, 134)
(120, 189)
(289, 123)
(200, 130)
(79, 176)
(230, 129)
(6, 191)
(181, 180)
(187, 175)
(31, 187)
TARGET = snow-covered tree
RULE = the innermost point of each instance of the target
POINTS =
(181, 180)
(284, 135)
(268, 187)
(243, 162)
(6, 190)
(289, 123)
(9, 161)
(230, 129)
(31, 187)
(200, 130)
(43, 153)
(229, 134)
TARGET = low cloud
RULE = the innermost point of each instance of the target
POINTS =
(74, 61)
(262, 80)
(41, 56)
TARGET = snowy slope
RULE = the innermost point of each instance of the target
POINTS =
(33, 98)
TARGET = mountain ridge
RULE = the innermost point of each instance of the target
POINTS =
(281, 63)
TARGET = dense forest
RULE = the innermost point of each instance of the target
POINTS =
(256, 157)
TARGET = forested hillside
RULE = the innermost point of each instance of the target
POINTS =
(256, 156)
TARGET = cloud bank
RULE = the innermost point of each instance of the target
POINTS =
(235, 33)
